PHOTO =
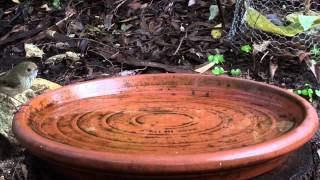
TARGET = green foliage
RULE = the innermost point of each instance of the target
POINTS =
(246, 48)
(214, 10)
(210, 58)
(317, 92)
(307, 21)
(315, 51)
(307, 92)
(218, 71)
(235, 72)
(297, 22)
(217, 59)
(315, 55)
(56, 4)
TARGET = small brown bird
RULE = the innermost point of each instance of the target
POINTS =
(18, 79)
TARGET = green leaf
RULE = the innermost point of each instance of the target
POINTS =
(256, 20)
(218, 71)
(214, 10)
(307, 21)
(304, 92)
(299, 92)
(217, 59)
(246, 48)
(317, 91)
(125, 27)
(210, 58)
(307, 93)
(313, 62)
(235, 72)
(310, 94)
(315, 51)
(56, 4)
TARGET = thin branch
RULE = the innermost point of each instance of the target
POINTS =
(179, 46)
(97, 53)
(221, 14)
(264, 56)
(118, 6)
(307, 6)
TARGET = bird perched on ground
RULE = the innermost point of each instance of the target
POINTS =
(18, 79)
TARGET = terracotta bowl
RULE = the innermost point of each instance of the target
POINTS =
(165, 126)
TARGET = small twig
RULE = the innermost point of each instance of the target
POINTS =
(141, 69)
(92, 40)
(42, 34)
(114, 55)
(272, 68)
(221, 14)
(106, 59)
(118, 6)
(138, 62)
(150, 3)
(9, 33)
(181, 40)
(21, 36)
(264, 56)
(307, 6)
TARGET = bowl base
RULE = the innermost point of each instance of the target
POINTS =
(238, 174)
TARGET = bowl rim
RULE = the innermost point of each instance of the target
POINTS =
(167, 164)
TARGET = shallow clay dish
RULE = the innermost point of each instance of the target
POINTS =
(165, 126)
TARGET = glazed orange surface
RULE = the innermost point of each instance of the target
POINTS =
(166, 122)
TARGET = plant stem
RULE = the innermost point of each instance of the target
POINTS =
(221, 13)
(307, 6)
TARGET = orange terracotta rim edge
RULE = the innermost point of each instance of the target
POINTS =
(155, 164)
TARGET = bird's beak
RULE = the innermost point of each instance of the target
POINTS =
(35, 73)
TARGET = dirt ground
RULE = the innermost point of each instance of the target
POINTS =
(117, 38)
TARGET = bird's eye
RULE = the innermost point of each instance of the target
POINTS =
(29, 69)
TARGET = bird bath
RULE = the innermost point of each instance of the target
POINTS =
(165, 126)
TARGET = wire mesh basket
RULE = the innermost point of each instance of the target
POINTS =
(287, 27)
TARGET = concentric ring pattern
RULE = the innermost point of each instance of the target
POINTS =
(163, 122)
